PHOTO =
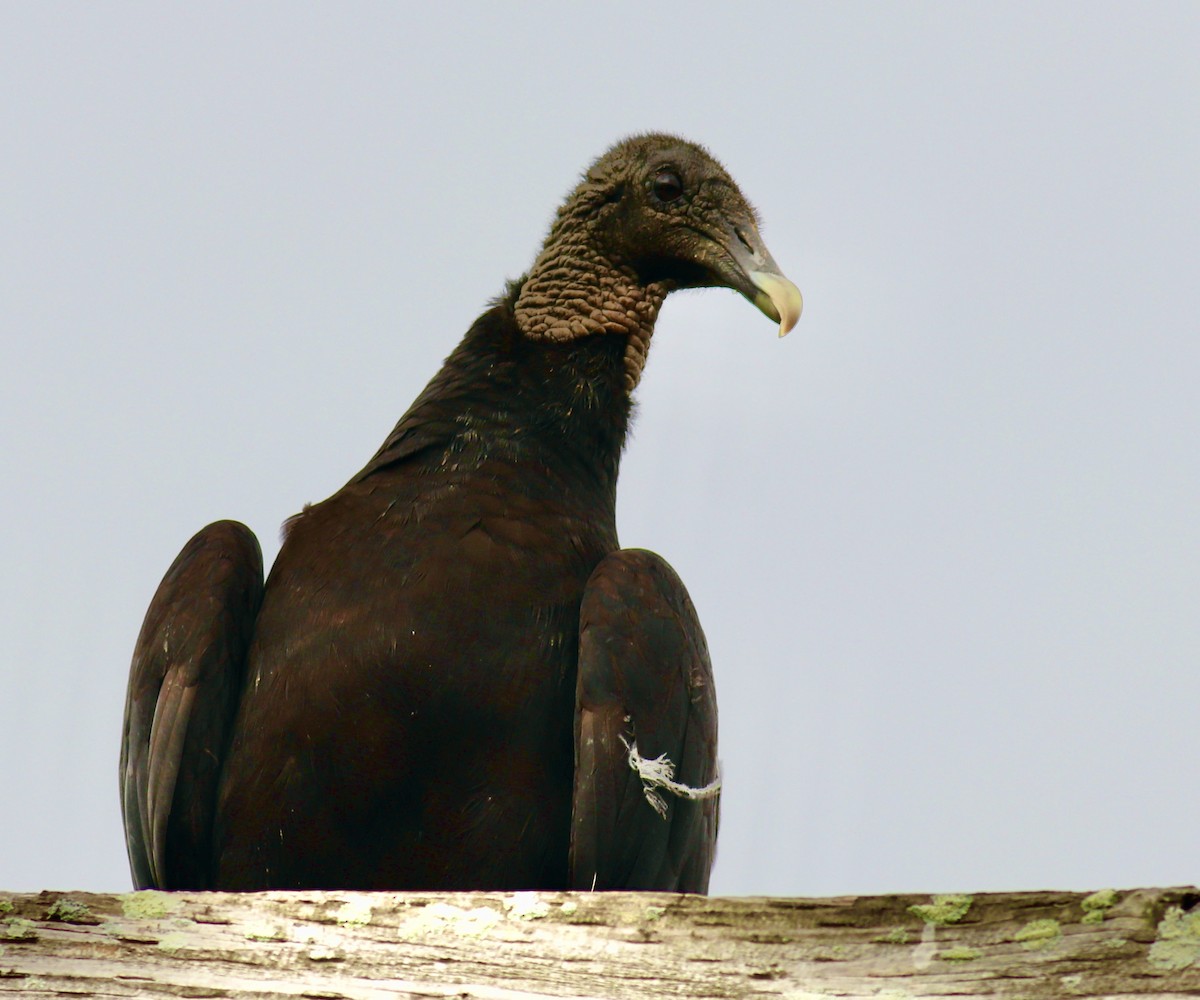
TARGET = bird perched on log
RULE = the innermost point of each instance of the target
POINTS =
(454, 677)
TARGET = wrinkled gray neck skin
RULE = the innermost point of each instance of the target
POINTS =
(573, 290)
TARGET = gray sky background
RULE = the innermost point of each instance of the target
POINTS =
(944, 538)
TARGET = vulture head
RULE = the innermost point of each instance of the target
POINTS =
(653, 214)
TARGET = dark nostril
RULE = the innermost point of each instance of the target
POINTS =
(745, 242)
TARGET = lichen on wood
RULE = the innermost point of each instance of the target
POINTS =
(520, 946)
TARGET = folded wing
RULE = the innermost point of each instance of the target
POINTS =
(646, 795)
(184, 684)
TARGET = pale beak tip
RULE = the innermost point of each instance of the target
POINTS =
(788, 321)
(779, 299)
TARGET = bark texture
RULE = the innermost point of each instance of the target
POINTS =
(518, 946)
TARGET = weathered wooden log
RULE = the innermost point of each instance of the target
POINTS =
(517, 946)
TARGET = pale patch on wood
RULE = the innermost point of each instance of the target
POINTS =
(521, 946)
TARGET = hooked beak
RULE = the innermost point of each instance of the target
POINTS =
(753, 272)
(778, 298)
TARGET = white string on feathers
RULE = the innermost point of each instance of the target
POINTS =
(659, 773)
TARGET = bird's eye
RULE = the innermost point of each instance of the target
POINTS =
(667, 186)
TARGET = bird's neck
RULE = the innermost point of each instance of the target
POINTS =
(544, 406)
(574, 291)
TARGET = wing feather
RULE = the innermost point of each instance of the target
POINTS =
(184, 683)
(644, 683)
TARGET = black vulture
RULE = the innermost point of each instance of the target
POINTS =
(454, 677)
